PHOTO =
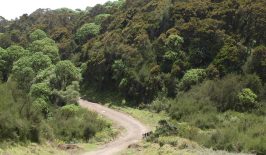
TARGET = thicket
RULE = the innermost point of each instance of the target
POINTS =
(39, 94)
(224, 114)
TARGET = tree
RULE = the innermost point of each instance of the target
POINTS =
(47, 75)
(26, 68)
(71, 94)
(47, 46)
(40, 90)
(2, 63)
(231, 57)
(40, 105)
(23, 76)
(37, 35)
(39, 62)
(87, 31)
(66, 72)
(100, 18)
(119, 70)
(8, 57)
(5, 40)
(258, 62)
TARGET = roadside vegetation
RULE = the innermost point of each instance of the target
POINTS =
(39, 97)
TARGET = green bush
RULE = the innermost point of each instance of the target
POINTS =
(171, 140)
(159, 105)
(192, 77)
(199, 120)
(69, 110)
(247, 100)
(73, 124)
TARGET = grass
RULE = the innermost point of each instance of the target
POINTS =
(32, 149)
(147, 148)
(145, 116)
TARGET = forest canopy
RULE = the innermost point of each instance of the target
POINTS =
(185, 57)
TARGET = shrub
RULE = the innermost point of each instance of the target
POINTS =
(192, 77)
(159, 105)
(172, 140)
(73, 124)
(247, 100)
(223, 93)
(253, 82)
(69, 110)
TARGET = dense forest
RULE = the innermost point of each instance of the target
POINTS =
(202, 62)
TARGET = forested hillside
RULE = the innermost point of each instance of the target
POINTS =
(202, 62)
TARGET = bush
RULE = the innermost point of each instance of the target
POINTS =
(247, 100)
(73, 124)
(224, 92)
(159, 105)
(172, 140)
(69, 110)
(253, 82)
(192, 77)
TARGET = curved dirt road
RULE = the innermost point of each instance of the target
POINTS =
(134, 129)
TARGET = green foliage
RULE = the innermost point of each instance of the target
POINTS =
(199, 120)
(231, 57)
(139, 49)
(40, 90)
(5, 40)
(100, 18)
(66, 72)
(37, 35)
(174, 41)
(72, 123)
(26, 68)
(87, 31)
(8, 57)
(46, 46)
(47, 75)
(38, 61)
(119, 70)
(247, 99)
(40, 105)
(258, 62)
(71, 94)
(69, 110)
(24, 121)
(192, 77)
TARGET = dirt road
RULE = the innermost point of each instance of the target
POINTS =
(133, 129)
